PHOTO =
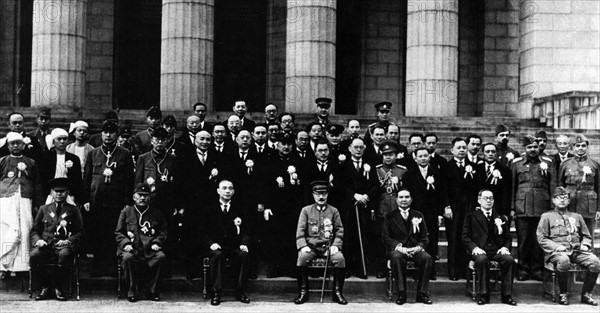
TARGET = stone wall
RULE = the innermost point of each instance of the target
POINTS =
(559, 48)
(385, 54)
(501, 58)
(276, 32)
(99, 54)
(470, 66)
(7, 52)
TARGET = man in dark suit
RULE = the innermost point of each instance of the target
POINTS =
(486, 237)
(56, 233)
(141, 234)
(200, 111)
(43, 129)
(462, 185)
(188, 135)
(57, 162)
(321, 169)
(373, 154)
(415, 141)
(107, 185)
(302, 150)
(32, 148)
(404, 235)
(562, 146)
(435, 159)
(240, 109)
(225, 233)
(359, 191)
(260, 145)
(271, 114)
(496, 178)
(428, 189)
(473, 146)
(221, 142)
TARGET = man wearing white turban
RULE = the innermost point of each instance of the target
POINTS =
(80, 147)
(57, 162)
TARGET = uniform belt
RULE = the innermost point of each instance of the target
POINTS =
(581, 187)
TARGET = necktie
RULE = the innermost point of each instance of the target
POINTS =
(322, 167)
(488, 170)
(358, 167)
(243, 155)
(460, 164)
(225, 208)
(219, 148)
(488, 215)
(302, 154)
(404, 214)
(202, 157)
(260, 149)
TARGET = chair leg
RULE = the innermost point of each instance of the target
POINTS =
(553, 286)
(390, 284)
(205, 265)
(30, 287)
(474, 285)
(119, 281)
(77, 290)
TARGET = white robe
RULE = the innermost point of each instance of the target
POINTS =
(16, 221)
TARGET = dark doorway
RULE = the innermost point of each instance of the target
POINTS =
(137, 53)
(240, 53)
(348, 55)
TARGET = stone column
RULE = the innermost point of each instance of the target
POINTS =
(186, 69)
(58, 53)
(310, 53)
(432, 58)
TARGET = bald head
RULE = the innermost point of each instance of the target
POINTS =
(193, 123)
(202, 140)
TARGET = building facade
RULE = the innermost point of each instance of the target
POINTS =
(429, 57)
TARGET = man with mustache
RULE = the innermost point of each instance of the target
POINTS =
(506, 154)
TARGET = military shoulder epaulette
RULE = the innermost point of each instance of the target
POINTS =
(372, 125)
(401, 166)
(379, 166)
(545, 158)
(517, 159)
(480, 162)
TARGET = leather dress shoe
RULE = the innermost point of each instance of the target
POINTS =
(508, 300)
(453, 278)
(132, 299)
(302, 297)
(59, 295)
(243, 298)
(216, 299)
(43, 294)
(587, 298)
(423, 298)
(338, 298)
(479, 299)
(433, 276)
(401, 300)
(563, 299)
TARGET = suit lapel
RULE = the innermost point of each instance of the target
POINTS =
(482, 220)
(400, 223)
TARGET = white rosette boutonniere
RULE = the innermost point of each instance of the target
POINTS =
(509, 156)
(395, 181)
(415, 224)
(499, 222)
(544, 168)
(280, 182)
(68, 165)
(237, 222)
(469, 171)
(107, 175)
(366, 170)
(27, 142)
(249, 165)
(152, 183)
(293, 175)
(213, 173)
(400, 155)
(22, 167)
(496, 176)
(131, 236)
(342, 158)
(586, 171)
(430, 181)
(327, 228)
(572, 225)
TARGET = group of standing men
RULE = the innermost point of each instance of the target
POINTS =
(390, 201)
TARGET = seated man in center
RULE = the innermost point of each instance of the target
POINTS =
(320, 233)
(486, 236)
(404, 235)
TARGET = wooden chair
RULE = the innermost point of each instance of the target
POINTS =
(471, 285)
(74, 277)
(389, 281)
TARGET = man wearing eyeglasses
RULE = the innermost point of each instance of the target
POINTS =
(486, 236)
(565, 239)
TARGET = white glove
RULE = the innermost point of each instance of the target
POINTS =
(215, 246)
(306, 249)
(267, 213)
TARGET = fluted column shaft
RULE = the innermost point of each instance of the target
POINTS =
(58, 53)
(186, 75)
(432, 58)
(310, 53)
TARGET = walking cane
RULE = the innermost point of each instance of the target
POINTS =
(362, 251)
(325, 273)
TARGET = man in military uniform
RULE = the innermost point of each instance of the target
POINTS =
(486, 236)
(390, 177)
(533, 179)
(107, 185)
(320, 233)
(55, 235)
(383, 119)
(565, 239)
(404, 235)
(581, 176)
(141, 140)
(506, 154)
(174, 147)
(323, 106)
(141, 234)
(96, 139)
(334, 137)
(542, 139)
(43, 129)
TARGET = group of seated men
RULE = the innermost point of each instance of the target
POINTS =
(371, 183)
